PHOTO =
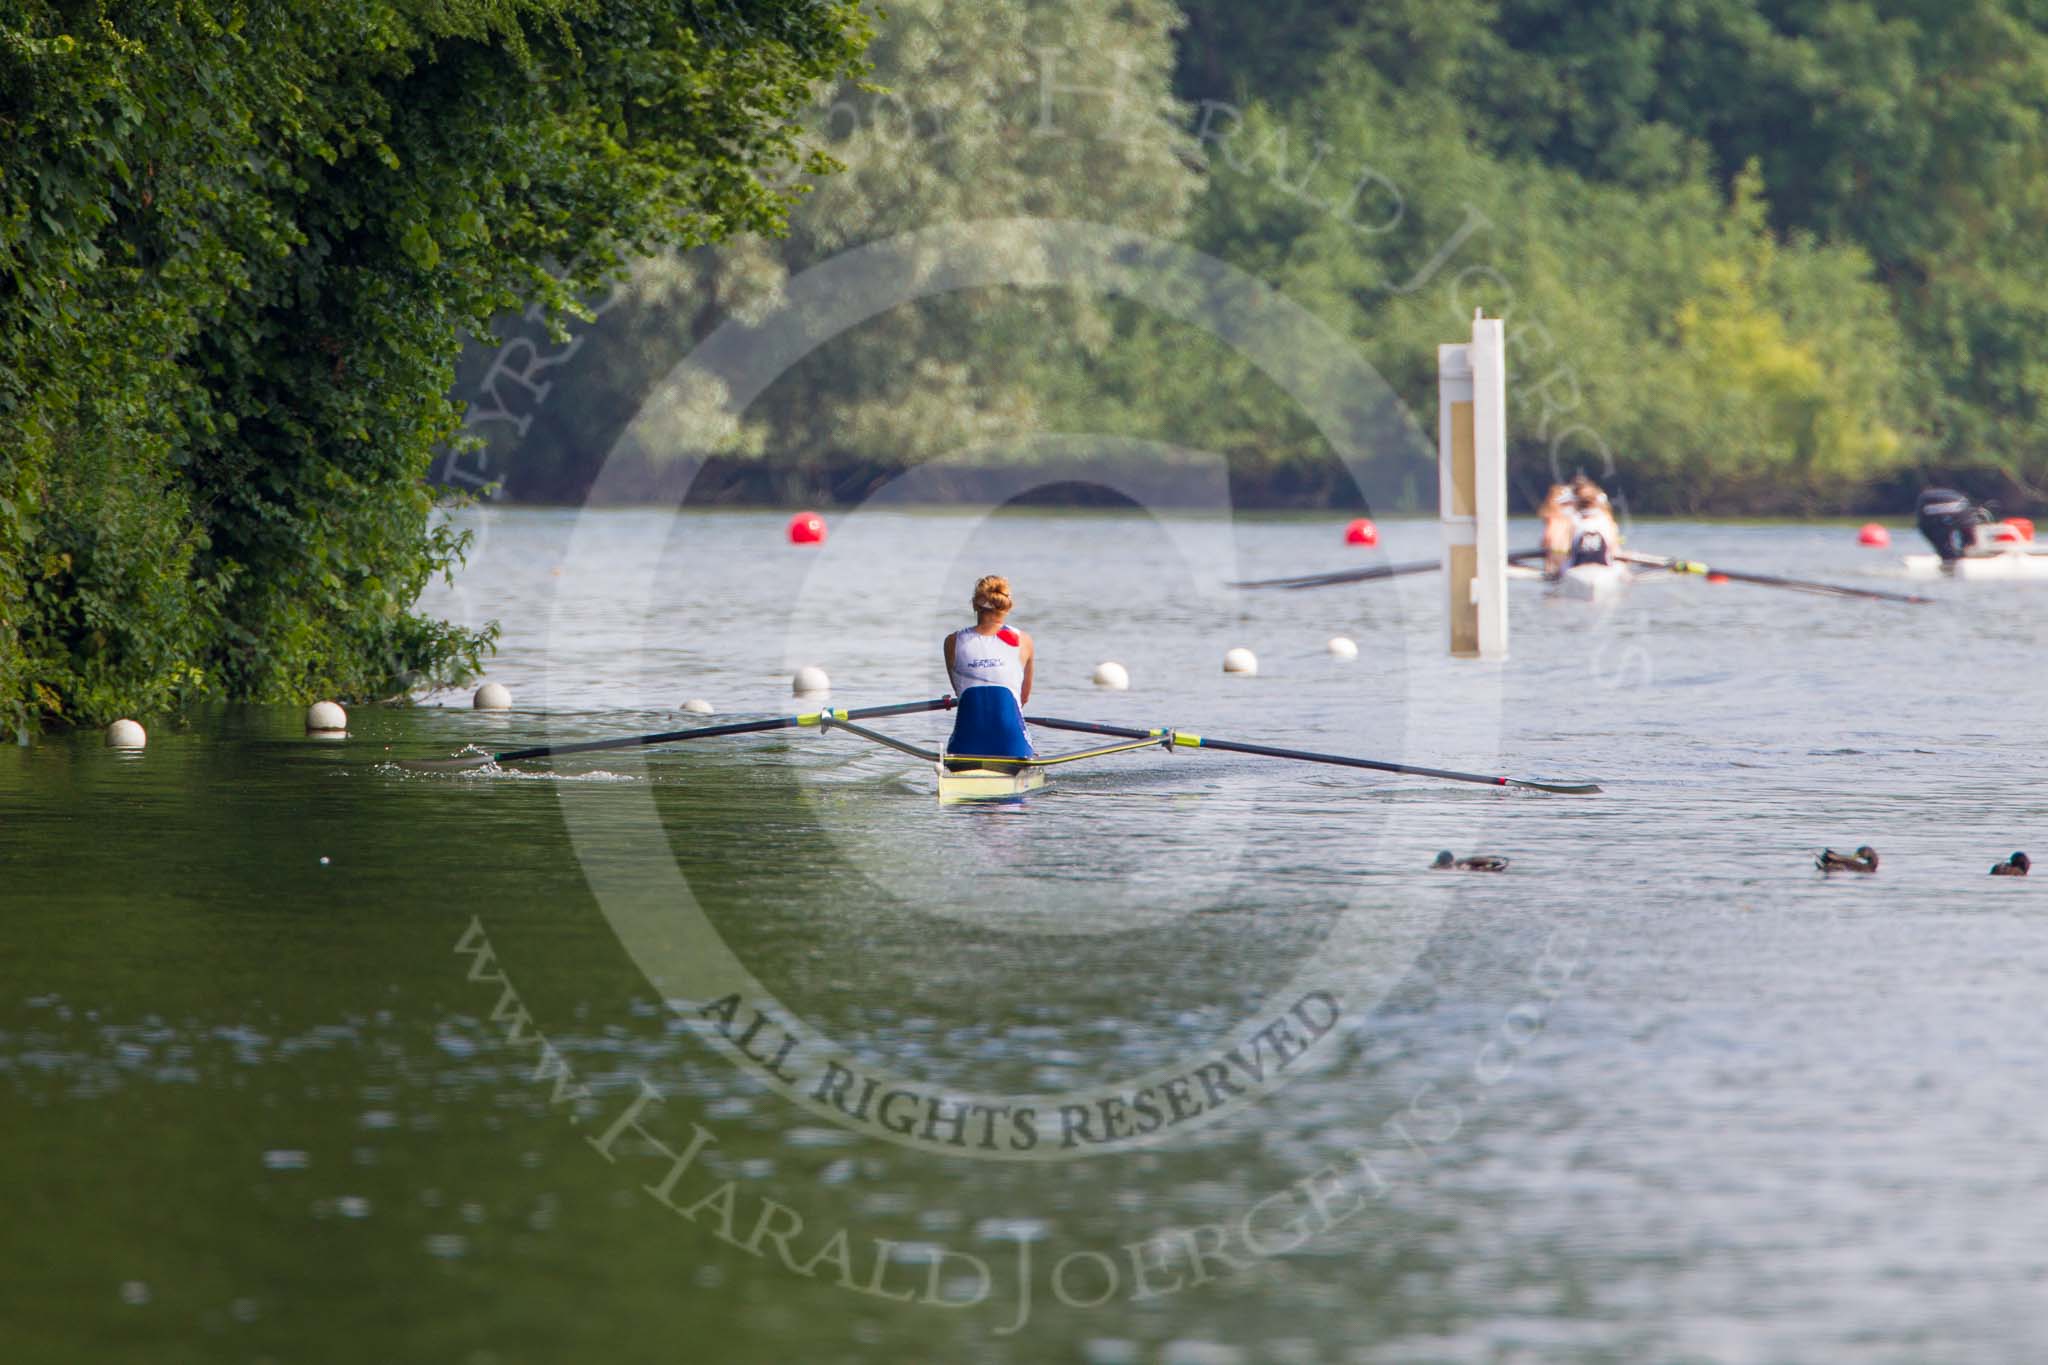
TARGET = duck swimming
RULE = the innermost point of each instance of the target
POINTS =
(1863, 860)
(2015, 866)
(1478, 862)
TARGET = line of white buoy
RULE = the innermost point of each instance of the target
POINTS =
(329, 719)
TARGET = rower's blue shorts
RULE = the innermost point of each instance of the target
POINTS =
(988, 724)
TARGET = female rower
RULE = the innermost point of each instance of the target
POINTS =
(989, 665)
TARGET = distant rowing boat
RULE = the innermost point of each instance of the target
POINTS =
(2017, 561)
(1592, 582)
(1581, 582)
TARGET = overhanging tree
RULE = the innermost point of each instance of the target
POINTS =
(239, 247)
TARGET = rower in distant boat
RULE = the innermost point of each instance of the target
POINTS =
(1592, 571)
(1950, 522)
(989, 664)
(1971, 541)
(1594, 536)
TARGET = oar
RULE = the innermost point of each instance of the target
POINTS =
(1324, 580)
(1188, 741)
(743, 727)
(1770, 580)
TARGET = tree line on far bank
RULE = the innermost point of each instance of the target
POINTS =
(1755, 256)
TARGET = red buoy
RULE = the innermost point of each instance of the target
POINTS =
(807, 528)
(1717, 578)
(1873, 534)
(1361, 531)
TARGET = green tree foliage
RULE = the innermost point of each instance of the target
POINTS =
(239, 246)
(1755, 254)
(1666, 331)
(1663, 339)
(1910, 130)
(972, 113)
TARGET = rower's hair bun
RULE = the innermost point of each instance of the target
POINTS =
(992, 593)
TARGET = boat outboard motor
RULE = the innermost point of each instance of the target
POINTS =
(1949, 521)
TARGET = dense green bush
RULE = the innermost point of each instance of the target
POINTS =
(240, 244)
(971, 112)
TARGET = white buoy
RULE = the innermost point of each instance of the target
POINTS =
(1341, 648)
(697, 706)
(810, 681)
(1240, 661)
(1113, 676)
(492, 697)
(126, 734)
(325, 718)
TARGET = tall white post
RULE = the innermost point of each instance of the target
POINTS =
(1472, 489)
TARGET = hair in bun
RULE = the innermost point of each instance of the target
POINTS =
(992, 593)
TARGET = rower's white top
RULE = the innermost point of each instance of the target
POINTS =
(1600, 521)
(987, 660)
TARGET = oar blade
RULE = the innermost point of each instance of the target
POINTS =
(446, 765)
(1561, 788)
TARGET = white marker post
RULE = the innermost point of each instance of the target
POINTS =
(1472, 488)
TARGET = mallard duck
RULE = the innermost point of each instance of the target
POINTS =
(2015, 866)
(1863, 860)
(1478, 862)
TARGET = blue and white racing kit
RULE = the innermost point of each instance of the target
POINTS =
(988, 678)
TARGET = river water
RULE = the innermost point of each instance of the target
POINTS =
(749, 1050)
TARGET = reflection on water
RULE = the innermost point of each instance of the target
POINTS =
(1656, 1092)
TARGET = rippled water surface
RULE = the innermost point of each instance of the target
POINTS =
(307, 1057)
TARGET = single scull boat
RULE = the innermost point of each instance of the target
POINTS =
(964, 778)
